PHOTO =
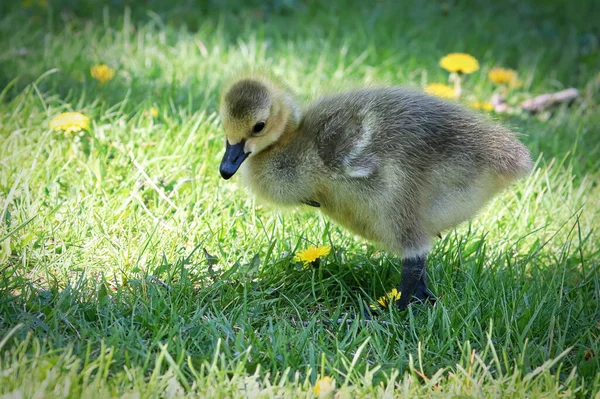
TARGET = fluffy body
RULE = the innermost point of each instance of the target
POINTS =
(390, 164)
(393, 165)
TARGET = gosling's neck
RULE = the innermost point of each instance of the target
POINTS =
(289, 132)
(291, 114)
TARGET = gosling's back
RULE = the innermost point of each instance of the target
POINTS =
(357, 130)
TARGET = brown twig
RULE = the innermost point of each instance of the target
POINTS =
(540, 102)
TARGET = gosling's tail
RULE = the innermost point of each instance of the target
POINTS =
(508, 156)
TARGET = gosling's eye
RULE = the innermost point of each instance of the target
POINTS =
(258, 127)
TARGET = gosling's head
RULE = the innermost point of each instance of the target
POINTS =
(255, 113)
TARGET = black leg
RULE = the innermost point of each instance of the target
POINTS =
(423, 294)
(414, 282)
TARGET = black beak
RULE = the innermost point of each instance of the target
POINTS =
(233, 158)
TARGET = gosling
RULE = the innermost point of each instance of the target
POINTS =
(393, 165)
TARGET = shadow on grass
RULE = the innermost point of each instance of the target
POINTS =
(280, 316)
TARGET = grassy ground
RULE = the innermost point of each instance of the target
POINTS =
(105, 288)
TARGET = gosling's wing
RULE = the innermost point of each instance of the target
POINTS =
(343, 128)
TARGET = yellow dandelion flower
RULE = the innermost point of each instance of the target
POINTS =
(70, 122)
(27, 4)
(482, 105)
(388, 299)
(502, 75)
(324, 387)
(459, 62)
(102, 73)
(311, 254)
(440, 90)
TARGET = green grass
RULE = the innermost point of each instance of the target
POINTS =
(105, 289)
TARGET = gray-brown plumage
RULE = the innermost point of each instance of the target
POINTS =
(393, 165)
